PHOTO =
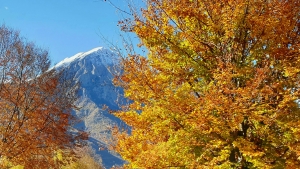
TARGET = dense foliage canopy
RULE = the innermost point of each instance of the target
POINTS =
(35, 105)
(218, 88)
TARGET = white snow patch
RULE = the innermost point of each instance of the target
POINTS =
(68, 60)
(106, 56)
(93, 71)
(95, 50)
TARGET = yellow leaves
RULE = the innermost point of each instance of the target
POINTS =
(6, 163)
(131, 117)
(219, 86)
(59, 155)
(247, 148)
(291, 71)
(17, 167)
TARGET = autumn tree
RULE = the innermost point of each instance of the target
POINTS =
(35, 105)
(219, 87)
(87, 159)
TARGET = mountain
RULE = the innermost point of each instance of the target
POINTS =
(91, 70)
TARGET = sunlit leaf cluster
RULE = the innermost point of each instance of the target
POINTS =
(219, 87)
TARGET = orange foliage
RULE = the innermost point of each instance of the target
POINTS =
(218, 88)
(35, 104)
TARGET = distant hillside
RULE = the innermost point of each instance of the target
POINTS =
(91, 71)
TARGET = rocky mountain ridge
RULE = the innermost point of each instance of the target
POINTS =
(91, 70)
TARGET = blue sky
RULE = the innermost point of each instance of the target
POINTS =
(64, 27)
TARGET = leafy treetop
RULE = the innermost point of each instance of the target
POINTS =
(218, 88)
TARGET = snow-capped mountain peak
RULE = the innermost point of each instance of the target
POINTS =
(106, 56)
(97, 49)
(92, 70)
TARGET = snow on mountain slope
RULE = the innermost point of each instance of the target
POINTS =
(90, 69)
(99, 51)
